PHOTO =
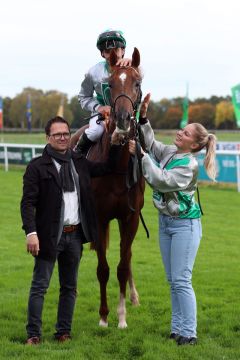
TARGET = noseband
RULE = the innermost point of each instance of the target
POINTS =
(136, 104)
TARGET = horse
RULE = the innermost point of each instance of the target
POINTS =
(116, 196)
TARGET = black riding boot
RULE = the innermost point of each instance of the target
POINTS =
(83, 144)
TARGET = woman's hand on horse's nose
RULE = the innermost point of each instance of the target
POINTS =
(144, 105)
(132, 147)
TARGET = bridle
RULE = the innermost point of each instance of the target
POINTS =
(135, 104)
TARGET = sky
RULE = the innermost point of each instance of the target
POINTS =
(50, 44)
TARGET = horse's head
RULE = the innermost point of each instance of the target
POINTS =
(125, 90)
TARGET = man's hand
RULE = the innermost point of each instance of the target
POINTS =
(124, 62)
(144, 105)
(104, 110)
(132, 147)
(33, 244)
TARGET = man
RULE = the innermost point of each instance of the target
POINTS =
(58, 217)
(96, 81)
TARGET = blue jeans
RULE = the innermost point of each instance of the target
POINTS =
(69, 252)
(179, 242)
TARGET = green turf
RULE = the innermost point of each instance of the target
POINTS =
(165, 136)
(26, 138)
(215, 279)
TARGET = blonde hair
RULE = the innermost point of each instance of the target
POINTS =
(208, 141)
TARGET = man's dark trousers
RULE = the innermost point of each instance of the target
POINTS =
(69, 252)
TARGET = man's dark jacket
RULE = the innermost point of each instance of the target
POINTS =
(42, 199)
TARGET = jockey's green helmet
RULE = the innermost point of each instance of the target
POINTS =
(111, 39)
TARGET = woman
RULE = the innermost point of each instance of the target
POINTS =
(171, 171)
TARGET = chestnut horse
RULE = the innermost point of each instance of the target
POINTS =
(116, 196)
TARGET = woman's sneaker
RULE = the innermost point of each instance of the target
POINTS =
(182, 340)
(174, 336)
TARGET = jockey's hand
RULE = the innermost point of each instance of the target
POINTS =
(144, 105)
(104, 110)
(116, 138)
(33, 244)
(124, 62)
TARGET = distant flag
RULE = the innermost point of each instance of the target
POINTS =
(60, 111)
(29, 113)
(236, 102)
(184, 119)
(1, 113)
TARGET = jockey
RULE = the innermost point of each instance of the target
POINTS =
(94, 93)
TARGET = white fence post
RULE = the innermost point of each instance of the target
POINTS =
(238, 172)
(5, 158)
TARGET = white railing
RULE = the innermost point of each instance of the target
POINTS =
(228, 161)
(17, 156)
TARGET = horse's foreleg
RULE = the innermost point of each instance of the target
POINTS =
(127, 231)
(134, 297)
(103, 276)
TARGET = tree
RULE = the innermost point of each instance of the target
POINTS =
(44, 107)
(172, 118)
(78, 113)
(203, 113)
(49, 104)
(19, 105)
(6, 112)
(224, 118)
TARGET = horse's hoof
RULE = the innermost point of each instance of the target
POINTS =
(103, 323)
(135, 300)
(122, 325)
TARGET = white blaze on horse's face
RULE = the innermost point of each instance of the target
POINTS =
(122, 77)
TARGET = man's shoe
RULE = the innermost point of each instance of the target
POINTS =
(174, 336)
(62, 338)
(34, 340)
(182, 340)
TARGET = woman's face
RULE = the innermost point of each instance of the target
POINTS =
(185, 139)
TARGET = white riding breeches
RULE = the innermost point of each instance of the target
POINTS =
(95, 131)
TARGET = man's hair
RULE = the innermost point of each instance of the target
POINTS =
(57, 119)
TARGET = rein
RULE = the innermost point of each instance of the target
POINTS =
(100, 117)
(135, 169)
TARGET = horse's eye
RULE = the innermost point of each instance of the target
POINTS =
(110, 86)
(137, 84)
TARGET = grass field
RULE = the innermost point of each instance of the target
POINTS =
(165, 136)
(215, 279)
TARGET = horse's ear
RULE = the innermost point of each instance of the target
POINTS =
(135, 58)
(113, 58)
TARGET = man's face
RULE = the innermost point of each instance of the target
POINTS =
(119, 52)
(59, 137)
